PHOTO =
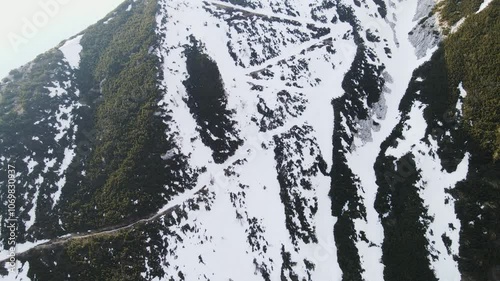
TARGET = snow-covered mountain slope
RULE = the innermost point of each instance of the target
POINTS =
(237, 140)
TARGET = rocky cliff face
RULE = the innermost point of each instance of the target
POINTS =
(238, 140)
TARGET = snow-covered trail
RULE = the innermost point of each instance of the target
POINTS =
(287, 54)
(47, 244)
(215, 175)
(266, 13)
(290, 52)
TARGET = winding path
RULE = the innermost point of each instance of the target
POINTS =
(217, 169)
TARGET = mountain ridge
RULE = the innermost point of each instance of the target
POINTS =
(293, 126)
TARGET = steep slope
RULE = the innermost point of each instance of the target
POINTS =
(252, 140)
(474, 76)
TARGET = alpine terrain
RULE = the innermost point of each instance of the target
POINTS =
(258, 140)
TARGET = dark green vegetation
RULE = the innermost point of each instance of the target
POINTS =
(469, 56)
(207, 102)
(473, 58)
(118, 174)
(452, 11)
(287, 267)
(24, 100)
(344, 191)
(114, 257)
(294, 181)
(362, 83)
(401, 210)
(477, 207)
(440, 98)
(119, 75)
(382, 8)
(133, 254)
(289, 105)
(405, 254)
(127, 137)
(121, 143)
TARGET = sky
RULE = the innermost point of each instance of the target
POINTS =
(31, 27)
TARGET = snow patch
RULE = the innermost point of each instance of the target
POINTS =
(21, 248)
(32, 212)
(108, 20)
(457, 25)
(57, 90)
(460, 101)
(484, 5)
(432, 188)
(31, 164)
(71, 50)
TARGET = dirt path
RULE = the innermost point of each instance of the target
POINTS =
(216, 169)
(169, 208)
